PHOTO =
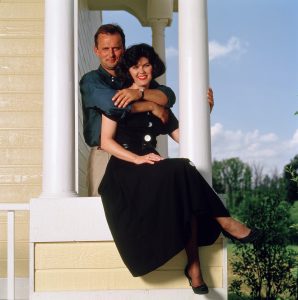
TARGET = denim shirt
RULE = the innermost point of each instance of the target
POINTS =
(97, 88)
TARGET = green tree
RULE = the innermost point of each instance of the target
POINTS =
(232, 177)
(266, 268)
(291, 179)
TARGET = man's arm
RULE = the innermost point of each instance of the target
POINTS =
(159, 94)
(159, 111)
(97, 95)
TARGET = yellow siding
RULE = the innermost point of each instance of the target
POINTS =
(97, 265)
(21, 89)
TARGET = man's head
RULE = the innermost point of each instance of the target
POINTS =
(109, 45)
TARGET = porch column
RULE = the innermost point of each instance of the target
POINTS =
(158, 41)
(58, 116)
(195, 140)
(159, 14)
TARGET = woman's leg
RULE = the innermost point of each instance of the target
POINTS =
(194, 269)
(233, 227)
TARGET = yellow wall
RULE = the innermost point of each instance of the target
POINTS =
(21, 68)
(98, 266)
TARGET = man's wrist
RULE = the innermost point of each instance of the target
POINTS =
(142, 92)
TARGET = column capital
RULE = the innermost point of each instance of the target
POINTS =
(159, 23)
(160, 10)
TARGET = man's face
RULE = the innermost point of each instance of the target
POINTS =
(109, 50)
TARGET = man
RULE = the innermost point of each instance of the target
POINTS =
(102, 92)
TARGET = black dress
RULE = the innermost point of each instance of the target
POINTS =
(149, 207)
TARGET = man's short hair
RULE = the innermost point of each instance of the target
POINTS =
(109, 29)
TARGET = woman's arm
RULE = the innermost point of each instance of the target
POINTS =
(108, 130)
(175, 135)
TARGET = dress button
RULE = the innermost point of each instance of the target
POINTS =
(191, 163)
(147, 138)
(150, 124)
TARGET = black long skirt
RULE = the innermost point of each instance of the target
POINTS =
(149, 210)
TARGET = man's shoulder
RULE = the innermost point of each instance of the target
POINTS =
(90, 76)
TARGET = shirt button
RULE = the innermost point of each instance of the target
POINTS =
(147, 138)
(150, 124)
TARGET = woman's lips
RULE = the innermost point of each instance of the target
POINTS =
(142, 77)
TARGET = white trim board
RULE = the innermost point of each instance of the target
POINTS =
(68, 219)
(173, 294)
(21, 288)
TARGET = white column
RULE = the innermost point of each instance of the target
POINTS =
(59, 124)
(194, 114)
(158, 43)
(159, 14)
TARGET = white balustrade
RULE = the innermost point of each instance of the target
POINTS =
(11, 208)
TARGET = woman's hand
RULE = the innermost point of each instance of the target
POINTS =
(150, 158)
(210, 98)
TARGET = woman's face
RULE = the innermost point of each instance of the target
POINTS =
(141, 73)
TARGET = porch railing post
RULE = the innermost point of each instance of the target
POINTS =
(10, 255)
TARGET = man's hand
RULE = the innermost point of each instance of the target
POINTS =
(123, 97)
(210, 98)
(160, 112)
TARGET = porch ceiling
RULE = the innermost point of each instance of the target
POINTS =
(138, 8)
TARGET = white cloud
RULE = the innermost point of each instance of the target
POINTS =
(253, 147)
(217, 50)
(233, 47)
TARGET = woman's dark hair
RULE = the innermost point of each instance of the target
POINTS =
(109, 29)
(131, 57)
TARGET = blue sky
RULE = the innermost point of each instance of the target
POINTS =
(253, 55)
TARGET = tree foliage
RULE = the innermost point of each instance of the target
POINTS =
(232, 177)
(268, 202)
(266, 268)
(291, 179)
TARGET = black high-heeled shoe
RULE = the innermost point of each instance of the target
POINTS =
(201, 289)
(254, 236)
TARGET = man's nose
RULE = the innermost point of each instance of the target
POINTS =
(112, 52)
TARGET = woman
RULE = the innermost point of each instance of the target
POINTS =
(156, 207)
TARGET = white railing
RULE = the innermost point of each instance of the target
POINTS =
(11, 208)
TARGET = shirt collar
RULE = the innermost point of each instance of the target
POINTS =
(111, 78)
